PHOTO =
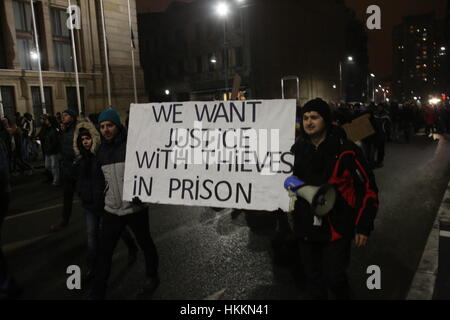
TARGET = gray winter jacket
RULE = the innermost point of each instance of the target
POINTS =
(111, 157)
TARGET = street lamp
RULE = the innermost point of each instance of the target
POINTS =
(167, 92)
(349, 59)
(373, 86)
(222, 9)
(34, 55)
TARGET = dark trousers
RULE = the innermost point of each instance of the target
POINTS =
(325, 266)
(380, 143)
(69, 185)
(93, 220)
(111, 230)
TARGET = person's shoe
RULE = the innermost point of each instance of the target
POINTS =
(149, 287)
(58, 226)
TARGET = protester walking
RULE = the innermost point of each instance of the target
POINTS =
(119, 213)
(325, 242)
(69, 119)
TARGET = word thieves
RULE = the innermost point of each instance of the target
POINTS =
(229, 154)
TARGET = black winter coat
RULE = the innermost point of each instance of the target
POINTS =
(90, 182)
(51, 141)
(339, 162)
(68, 154)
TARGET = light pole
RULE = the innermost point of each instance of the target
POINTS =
(349, 59)
(222, 10)
(373, 86)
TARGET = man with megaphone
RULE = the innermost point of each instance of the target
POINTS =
(336, 201)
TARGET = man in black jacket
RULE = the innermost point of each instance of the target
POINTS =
(326, 157)
(69, 118)
(51, 147)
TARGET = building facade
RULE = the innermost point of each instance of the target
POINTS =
(19, 76)
(420, 58)
(192, 53)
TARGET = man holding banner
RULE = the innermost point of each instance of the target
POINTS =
(119, 213)
(325, 157)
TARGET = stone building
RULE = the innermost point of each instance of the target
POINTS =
(19, 76)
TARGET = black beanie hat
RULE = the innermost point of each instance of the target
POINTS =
(321, 107)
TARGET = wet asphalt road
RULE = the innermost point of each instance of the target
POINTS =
(231, 255)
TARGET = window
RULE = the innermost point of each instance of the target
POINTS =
(199, 65)
(72, 100)
(24, 35)
(181, 69)
(179, 36)
(36, 100)
(237, 22)
(198, 31)
(9, 102)
(239, 57)
(61, 41)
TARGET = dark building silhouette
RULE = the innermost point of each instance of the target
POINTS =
(420, 57)
(262, 41)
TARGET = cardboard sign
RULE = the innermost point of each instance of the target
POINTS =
(359, 128)
(228, 154)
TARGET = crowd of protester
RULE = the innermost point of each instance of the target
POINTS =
(85, 155)
(394, 122)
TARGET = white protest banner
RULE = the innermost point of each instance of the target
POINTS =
(228, 154)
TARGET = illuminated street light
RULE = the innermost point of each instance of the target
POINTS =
(372, 75)
(222, 9)
(167, 92)
(350, 58)
(443, 48)
(213, 59)
(34, 55)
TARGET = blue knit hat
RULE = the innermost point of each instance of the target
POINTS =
(71, 113)
(110, 115)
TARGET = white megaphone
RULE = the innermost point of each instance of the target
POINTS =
(321, 198)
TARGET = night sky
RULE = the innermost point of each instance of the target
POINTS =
(380, 41)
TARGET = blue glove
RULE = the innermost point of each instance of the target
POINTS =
(293, 183)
